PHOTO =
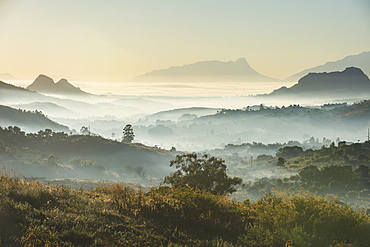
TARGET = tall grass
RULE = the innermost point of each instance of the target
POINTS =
(33, 214)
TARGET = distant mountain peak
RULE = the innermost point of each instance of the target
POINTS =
(241, 60)
(45, 84)
(361, 60)
(354, 71)
(207, 71)
(350, 82)
(43, 79)
(63, 81)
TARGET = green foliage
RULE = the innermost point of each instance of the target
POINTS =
(306, 221)
(33, 214)
(202, 173)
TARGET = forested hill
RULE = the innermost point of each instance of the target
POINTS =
(27, 120)
(50, 154)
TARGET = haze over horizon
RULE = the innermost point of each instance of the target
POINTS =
(118, 40)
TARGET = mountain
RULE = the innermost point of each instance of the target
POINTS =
(44, 84)
(351, 82)
(27, 120)
(207, 71)
(7, 76)
(361, 61)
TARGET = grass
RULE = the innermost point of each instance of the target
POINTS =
(34, 214)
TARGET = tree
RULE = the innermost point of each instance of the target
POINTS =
(85, 130)
(289, 152)
(281, 161)
(128, 133)
(204, 173)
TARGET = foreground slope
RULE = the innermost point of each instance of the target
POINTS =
(34, 214)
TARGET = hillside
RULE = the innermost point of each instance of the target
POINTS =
(341, 169)
(27, 120)
(361, 61)
(57, 154)
(351, 82)
(45, 85)
(34, 214)
(207, 71)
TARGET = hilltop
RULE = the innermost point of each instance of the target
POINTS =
(207, 71)
(46, 85)
(361, 61)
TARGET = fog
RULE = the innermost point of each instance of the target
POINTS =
(187, 117)
(182, 115)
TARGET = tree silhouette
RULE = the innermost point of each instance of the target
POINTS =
(204, 173)
(128, 133)
(85, 130)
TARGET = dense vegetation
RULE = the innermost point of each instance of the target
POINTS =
(342, 170)
(34, 214)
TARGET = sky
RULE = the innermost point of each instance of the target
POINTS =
(116, 40)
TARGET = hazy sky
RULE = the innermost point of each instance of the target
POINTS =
(119, 39)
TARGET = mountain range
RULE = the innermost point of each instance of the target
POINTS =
(46, 85)
(206, 71)
(361, 61)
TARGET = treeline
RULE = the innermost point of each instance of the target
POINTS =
(37, 215)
